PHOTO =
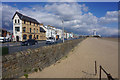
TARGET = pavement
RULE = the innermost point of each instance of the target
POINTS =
(79, 63)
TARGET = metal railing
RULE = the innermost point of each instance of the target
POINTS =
(108, 75)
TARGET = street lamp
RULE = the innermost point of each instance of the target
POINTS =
(63, 30)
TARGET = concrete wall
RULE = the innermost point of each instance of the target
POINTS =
(24, 62)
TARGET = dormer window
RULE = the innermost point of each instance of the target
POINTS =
(15, 21)
(18, 21)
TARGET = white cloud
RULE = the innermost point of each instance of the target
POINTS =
(65, 10)
(108, 31)
(111, 16)
(7, 13)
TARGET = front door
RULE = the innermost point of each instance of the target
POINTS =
(17, 38)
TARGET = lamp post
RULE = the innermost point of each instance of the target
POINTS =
(62, 27)
(63, 30)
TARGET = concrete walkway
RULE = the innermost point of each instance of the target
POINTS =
(80, 61)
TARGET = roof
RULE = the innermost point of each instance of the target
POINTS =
(42, 30)
(26, 18)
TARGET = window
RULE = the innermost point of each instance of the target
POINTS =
(30, 36)
(37, 30)
(17, 28)
(34, 36)
(34, 30)
(37, 36)
(25, 36)
(18, 21)
(34, 24)
(30, 30)
(24, 22)
(24, 29)
(30, 23)
(15, 21)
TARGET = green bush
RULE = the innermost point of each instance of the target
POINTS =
(35, 70)
(26, 75)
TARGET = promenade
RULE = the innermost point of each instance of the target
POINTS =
(80, 61)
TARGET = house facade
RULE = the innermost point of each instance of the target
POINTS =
(59, 33)
(50, 31)
(25, 28)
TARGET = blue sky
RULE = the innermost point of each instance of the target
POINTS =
(94, 7)
(80, 17)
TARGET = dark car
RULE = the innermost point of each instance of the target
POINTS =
(29, 42)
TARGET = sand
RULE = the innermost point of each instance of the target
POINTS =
(80, 61)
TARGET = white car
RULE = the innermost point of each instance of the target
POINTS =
(50, 40)
(2, 39)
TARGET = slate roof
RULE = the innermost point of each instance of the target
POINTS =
(26, 18)
(42, 30)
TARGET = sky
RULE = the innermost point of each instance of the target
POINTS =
(79, 17)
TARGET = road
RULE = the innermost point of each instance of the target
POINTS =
(80, 61)
(14, 43)
(16, 46)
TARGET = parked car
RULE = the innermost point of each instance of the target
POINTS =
(50, 40)
(29, 42)
(2, 39)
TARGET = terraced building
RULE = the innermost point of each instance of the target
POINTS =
(25, 28)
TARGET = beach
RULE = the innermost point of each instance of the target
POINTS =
(80, 62)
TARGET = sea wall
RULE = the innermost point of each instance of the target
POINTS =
(25, 62)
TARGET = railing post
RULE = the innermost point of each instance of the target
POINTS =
(100, 74)
(108, 75)
(95, 68)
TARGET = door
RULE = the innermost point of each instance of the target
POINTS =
(17, 38)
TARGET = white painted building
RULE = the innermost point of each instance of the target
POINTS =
(59, 33)
(50, 31)
(68, 35)
(65, 34)
(17, 28)
(71, 35)
(20, 26)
